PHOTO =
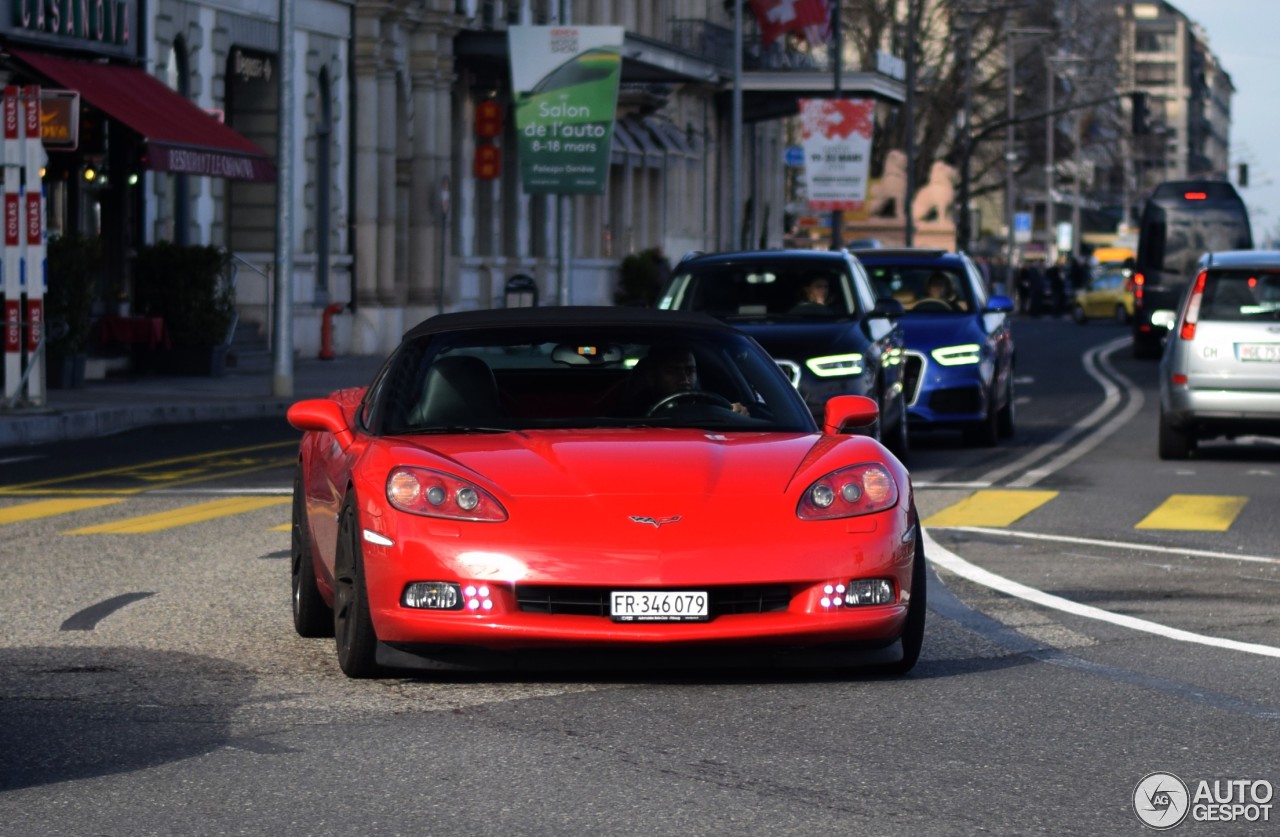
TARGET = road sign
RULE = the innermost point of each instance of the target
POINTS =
(1021, 227)
(793, 156)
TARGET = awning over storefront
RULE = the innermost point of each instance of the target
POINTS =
(180, 137)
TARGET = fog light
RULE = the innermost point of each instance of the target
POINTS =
(432, 595)
(831, 594)
(869, 591)
(477, 597)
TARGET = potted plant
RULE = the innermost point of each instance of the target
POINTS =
(189, 287)
(74, 271)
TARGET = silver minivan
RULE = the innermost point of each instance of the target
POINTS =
(1220, 371)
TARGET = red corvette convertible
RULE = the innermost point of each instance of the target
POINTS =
(580, 479)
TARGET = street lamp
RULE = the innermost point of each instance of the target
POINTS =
(1050, 165)
(1010, 157)
(963, 226)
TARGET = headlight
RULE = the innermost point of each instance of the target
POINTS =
(436, 494)
(834, 365)
(958, 355)
(849, 492)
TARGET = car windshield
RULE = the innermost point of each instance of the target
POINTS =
(924, 289)
(516, 379)
(755, 289)
(1240, 295)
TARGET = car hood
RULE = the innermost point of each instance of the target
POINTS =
(786, 339)
(648, 506)
(588, 465)
(929, 331)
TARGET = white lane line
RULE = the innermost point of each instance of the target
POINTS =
(11, 460)
(1095, 438)
(944, 484)
(1111, 398)
(1145, 547)
(948, 560)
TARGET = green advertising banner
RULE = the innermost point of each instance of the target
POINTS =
(565, 82)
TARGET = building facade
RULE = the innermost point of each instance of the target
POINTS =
(389, 220)
(1189, 96)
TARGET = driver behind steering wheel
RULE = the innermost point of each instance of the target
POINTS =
(672, 371)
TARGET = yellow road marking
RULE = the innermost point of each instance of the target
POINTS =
(184, 516)
(49, 508)
(283, 527)
(178, 470)
(991, 507)
(1195, 512)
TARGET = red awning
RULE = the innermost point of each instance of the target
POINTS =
(179, 136)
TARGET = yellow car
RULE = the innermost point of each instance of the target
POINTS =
(1108, 295)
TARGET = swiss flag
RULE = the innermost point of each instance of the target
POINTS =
(778, 16)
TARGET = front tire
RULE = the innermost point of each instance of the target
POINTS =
(312, 617)
(986, 432)
(1007, 422)
(353, 628)
(897, 441)
(912, 638)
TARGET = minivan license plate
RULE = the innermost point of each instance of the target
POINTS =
(1265, 352)
(659, 606)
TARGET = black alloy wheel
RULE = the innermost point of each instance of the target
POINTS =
(353, 628)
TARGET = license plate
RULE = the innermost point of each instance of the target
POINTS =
(659, 606)
(1265, 352)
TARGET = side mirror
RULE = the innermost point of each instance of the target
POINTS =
(847, 413)
(1000, 304)
(322, 415)
(888, 307)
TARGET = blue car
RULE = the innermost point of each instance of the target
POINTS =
(959, 344)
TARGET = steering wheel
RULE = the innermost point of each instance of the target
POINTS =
(931, 305)
(693, 396)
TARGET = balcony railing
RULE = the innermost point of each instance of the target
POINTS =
(714, 43)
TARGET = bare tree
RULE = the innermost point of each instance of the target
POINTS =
(960, 53)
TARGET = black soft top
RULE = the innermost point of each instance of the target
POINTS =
(564, 315)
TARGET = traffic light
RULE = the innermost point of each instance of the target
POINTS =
(1242, 176)
(488, 119)
(1141, 124)
(488, 162)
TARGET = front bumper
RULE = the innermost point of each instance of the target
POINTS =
(940, 396)
(789, 611)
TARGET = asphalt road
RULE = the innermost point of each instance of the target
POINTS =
(152, 683)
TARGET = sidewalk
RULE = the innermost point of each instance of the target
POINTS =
(101, 408)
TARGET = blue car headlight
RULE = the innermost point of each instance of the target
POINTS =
(833, 366)
(962, 355)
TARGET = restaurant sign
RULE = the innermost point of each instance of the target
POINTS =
(95, 21)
